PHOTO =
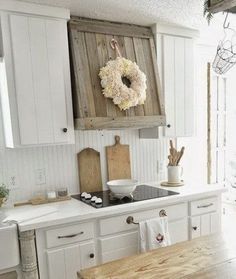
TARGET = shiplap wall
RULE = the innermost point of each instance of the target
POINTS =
(60, 162)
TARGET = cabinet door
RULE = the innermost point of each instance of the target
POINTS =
(40, 65)
(87, 255)
(204, 224)
(64, 263)
(178, 230)
(176, 63)
(178, 85)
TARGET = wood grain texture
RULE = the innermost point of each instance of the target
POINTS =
(118, 161)
(117, 122)
(89, 170)
(198, 258)
(90, 50)
(110, 28)
(9, 275)
(220, 6)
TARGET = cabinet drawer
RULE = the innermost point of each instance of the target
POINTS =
(119, 241)
(118, 223)
(119, 246)
(70, 234)
(203, 206)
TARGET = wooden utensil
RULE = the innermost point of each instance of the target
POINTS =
(90, 177)
(118, 161)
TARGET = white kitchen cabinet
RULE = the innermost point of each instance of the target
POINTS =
(205, 217)
(175, 59)
(204, 225)
(65, 262)
(35, 80)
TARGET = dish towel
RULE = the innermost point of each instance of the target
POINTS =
(154, 233)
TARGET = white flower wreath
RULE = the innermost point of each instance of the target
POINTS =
(112, 76)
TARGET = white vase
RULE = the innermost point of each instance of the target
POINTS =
(174, 174)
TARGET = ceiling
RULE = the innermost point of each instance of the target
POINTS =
(143, 12)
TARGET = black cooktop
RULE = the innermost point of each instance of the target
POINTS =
(142, 192)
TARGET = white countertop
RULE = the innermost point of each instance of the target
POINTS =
(41, 216)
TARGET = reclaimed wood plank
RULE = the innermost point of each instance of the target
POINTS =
(159, 89)
(178, 261)
(94, 68)
(113, 109)
(141, 61)
(103, 58)
(110, 28)
(81, 69)
(119, 122)
(220, 6)
(151, 78)
(129, 54)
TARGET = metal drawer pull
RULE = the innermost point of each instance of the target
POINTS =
(205, 205)
(194, 228)
(130, 219)
(70, 235)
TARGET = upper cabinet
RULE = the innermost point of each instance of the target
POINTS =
(35, 76)
(175, 59)
(91, 50)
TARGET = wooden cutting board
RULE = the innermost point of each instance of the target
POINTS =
(90, 177)
(118, 161)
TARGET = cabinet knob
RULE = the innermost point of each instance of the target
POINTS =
(91, 255)
(64, 130)
(195, 228)
(168, 125)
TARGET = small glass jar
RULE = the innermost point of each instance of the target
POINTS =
(62, 192)
(51, 194)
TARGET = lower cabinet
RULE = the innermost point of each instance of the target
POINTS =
(64, 250)
(204, 224)
(64, 263)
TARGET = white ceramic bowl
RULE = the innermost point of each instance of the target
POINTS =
(122, 186)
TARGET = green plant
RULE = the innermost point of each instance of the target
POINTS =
(4, 191)
(208, 15)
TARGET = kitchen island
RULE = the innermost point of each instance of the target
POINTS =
(208, 257)
(72, 235)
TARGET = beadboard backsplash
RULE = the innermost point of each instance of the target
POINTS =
(19, 167)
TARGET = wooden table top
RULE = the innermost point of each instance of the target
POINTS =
(209, 257)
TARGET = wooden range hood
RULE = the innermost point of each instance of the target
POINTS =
(90, 50)
(215, 6)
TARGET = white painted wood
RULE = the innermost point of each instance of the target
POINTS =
(69, 234)
(178, 230)
(189, 116)
(56, 264)
(116, 242)
(55, 40)
(86, 249)
(205, 224)
(203, 206)
(24, 81)
(118, 223)
(109, 244)
(173, 29)
(41, 81)
(40, 101)
(29, 8)
(72, 261)
(179, 76)
(168, 82)
(119, 253)
(215, 222)
(175, 59)
(195, 223)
